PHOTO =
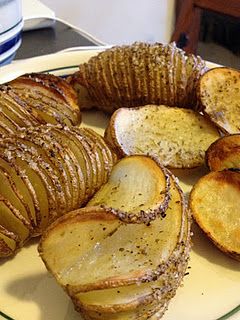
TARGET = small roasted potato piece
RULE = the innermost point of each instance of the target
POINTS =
(219, 96)
(224, 153)
(214, 202)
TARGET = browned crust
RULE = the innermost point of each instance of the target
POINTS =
(221, 150)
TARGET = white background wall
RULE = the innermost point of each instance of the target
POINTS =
(119, 21)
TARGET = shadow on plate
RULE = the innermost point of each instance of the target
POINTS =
(95, 119)
(41, 289)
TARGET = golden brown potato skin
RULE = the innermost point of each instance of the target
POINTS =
(224, 153)
(138, 74)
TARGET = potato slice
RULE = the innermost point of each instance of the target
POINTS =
(131, 296)
(9, 191)
(21, 188)
(215, 205)
(64, 233)
(144, 312)
(85, 171)
(114, 250)
(38, 182)
(129, 191)
(76, 166)
(8, 242)
(105, 155)
(12, 220)
(92, 159)
(224, 153)
(179, 143)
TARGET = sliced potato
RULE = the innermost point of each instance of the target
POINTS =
(142, 264)
(224, 153)
(129, 191)
(123, 253)
(138, 74)
(215, 205)
(144, 312)
(45, 171)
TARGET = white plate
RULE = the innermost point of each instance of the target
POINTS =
(211, 290)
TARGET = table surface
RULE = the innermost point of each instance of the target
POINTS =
(50, 40)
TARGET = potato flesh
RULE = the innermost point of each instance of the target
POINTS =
(9, 191)
(7, 245)
(67, 237)
(144, 312)
(214, 206)
(21, 187)
(127, 294)
(130, 191)
(11, 220)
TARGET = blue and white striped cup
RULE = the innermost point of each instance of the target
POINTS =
(11, 24)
